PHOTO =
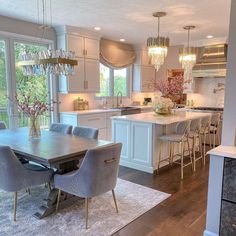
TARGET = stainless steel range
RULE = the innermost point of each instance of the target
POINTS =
(208, 109)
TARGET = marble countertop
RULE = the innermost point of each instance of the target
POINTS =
(94, 111)
(224, 151)
(151, 117)
(86, 112)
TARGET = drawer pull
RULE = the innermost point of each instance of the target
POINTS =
(234, 225)
(110, 160)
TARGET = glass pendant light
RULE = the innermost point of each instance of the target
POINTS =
(188, 56)
(158, 46)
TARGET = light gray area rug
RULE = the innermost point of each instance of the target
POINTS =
(133, 200)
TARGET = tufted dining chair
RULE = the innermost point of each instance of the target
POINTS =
(61, 128)
(2, 125)
(14, 176)
(97, 175)
(85, 132)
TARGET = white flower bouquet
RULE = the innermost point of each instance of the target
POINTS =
(162, 105)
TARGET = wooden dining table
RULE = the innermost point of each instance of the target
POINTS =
(61, 152)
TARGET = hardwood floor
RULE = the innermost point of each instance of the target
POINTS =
(183, 214)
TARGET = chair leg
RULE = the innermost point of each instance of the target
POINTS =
(58, 200)
(49, 187)
(182, 161)
(86, 211)
(114, 198)
(15, 205)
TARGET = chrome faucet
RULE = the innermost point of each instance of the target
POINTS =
(117, 97)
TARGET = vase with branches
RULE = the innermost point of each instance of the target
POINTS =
(33, 107)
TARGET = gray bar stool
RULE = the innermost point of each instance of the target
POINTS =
(180, 136)
(195, 137)
(205, 131)
(214, 128)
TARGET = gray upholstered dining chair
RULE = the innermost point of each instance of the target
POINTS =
(14, 176)
(61, 128)
(97, 175)
(2, 125)
(85, 132)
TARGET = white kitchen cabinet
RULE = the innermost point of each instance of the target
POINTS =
(91, 81)
(86, 74)
(91, 48)
(143, 78)
(99, 120)
(75, 44)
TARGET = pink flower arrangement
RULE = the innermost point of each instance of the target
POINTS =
(170, 86)
(31, 108)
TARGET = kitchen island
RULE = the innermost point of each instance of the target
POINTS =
(139, 135)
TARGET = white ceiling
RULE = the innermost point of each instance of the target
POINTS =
(132, 19)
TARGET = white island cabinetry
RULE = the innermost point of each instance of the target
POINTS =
(139, 135)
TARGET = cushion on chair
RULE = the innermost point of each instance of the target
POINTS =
(61, 128)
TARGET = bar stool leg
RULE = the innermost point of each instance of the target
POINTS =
(194, 154)
(182, 160)
(214, 139)
(204, 150)
(190, 154)
(160, 151)
(172, 147)
(200, 146)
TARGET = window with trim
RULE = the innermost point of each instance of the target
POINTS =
(113, 81)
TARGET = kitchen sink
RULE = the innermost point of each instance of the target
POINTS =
(129, 110)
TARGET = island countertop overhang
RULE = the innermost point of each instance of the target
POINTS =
(153, 118)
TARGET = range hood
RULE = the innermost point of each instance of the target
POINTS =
(211, 61)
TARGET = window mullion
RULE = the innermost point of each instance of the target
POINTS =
(112, 82)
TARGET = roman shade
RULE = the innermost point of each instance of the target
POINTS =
(115, 54)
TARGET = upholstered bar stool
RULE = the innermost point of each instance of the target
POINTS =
(214, 129)
(180, 137)
(195, 137)
(204, 132)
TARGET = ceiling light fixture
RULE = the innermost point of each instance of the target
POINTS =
(122, 40)
(209, 36)
(97, 28)
(57, 62)
(158, 46)
(188, 56)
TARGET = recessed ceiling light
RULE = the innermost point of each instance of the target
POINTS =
(97, 28)
(122, 40)
(210, 36)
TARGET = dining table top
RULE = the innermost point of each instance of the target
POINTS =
(51, 148)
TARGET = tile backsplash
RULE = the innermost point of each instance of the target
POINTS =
(66, 100)
(204, 92)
